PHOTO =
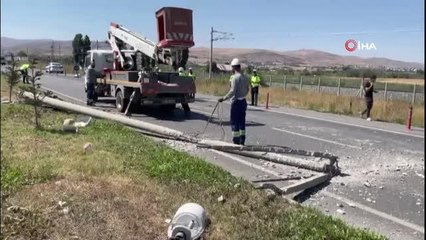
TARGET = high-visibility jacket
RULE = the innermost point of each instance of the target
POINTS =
(191, 75)
(230, 80)
(182, 74)
(24, 66)
(255, 81)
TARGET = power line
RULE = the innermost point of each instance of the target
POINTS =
(222, 36)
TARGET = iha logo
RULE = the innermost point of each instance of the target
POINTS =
(353, 45)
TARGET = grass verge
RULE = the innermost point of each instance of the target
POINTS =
(4, 91)
(394, 111)
(125, 185)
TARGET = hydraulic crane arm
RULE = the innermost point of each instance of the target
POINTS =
(124, 41)
(175, 37)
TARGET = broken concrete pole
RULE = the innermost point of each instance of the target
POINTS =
(323, 166)
(88, 147)
(306, 183)
(114, 117)
(68, 126)
(341, 211)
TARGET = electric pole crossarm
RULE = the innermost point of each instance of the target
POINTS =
(223, 36)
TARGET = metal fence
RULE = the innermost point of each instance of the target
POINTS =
(413, 93)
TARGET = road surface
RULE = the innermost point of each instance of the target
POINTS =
(382, 188)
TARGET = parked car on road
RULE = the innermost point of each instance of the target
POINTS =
(54, 67)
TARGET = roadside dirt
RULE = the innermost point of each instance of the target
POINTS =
(84, 208)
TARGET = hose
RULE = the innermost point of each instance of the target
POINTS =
(219, 108)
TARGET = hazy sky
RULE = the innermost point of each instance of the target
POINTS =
(396, 27)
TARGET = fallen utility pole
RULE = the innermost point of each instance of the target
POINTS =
(320, 166)
(299, 186)
(164, 132)
(114, 117)
(274, 149)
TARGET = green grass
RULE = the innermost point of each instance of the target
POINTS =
(32, 158)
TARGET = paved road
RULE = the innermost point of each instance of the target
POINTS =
(383, 185)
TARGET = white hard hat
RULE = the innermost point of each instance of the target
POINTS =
(180, 69)
(189, 68)
(235, 62)
(254, 70)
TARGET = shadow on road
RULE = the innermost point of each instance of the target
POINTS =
(227, 123)
(306, 194)
(254, 110)
(176, 115)
(201, 100)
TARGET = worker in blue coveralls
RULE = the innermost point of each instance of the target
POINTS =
(239, 89)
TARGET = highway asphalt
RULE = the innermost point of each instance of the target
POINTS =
(382, 188)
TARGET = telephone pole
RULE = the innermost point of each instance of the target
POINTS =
(52, 50)
(60, 52)
(222, 36)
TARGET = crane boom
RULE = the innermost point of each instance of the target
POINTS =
(124, 41)
(174, 27)
(119, 36)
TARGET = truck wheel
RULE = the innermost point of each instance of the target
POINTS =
(186, 109)
(121, 102)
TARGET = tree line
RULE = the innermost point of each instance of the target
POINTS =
(80, 47)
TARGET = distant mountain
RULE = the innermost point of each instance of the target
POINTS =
(42, 46)
(200, 55)
(303, 57)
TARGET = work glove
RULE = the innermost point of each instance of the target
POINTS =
(220, 99)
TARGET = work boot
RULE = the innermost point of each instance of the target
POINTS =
(242, 140)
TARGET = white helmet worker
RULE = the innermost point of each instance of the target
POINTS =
(235, 62)
(189, 68)
(180, 69)
(254, 70)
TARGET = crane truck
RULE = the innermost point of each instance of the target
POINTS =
(131, 67)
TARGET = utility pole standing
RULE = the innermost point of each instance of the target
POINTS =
(223, 36)
(52, 49)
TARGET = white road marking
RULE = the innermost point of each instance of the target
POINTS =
(376, 212)
(316, 138)
(348, 124)
(332, 195)
(332, 121)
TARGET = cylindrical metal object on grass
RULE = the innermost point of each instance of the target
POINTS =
(190, 218)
